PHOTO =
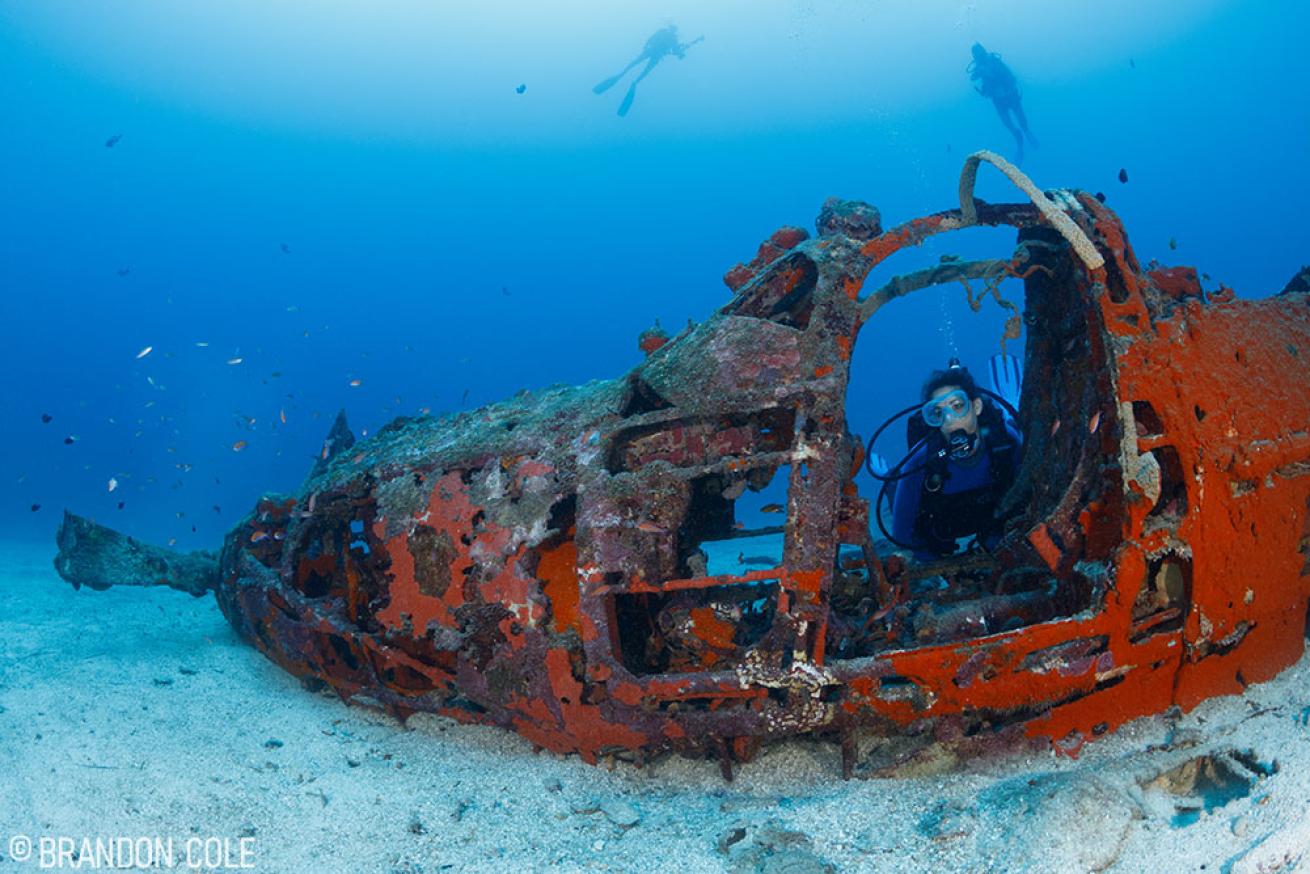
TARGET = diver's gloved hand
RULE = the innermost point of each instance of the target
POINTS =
(878, 464)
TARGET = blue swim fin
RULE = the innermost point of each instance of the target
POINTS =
(1007, 378)
(627, 99)
(607, 84)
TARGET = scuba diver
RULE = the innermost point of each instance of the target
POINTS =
(997, 84)
(662, 43)
(964, 460)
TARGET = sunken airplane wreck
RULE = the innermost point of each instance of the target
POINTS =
(561, 564)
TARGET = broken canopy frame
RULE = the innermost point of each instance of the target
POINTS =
(544, 564)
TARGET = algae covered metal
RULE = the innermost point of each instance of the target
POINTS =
(573, 563)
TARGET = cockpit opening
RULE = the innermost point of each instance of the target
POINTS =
(962, 471)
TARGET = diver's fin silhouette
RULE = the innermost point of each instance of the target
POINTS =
(627, 99)
(1007, 378)
(608, 84)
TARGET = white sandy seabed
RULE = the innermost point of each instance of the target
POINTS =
(139, 713)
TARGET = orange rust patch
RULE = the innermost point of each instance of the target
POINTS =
(1041, 540)
(450, 511)
(716, 633)
(558, 571)
(583, 727)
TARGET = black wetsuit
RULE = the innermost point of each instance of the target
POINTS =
(997, 84)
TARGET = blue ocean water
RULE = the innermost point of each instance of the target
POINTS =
(407, 206)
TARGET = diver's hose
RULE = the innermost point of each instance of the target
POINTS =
(868, 452)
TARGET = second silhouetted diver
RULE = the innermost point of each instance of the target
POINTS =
(662, 43)
(997, 84)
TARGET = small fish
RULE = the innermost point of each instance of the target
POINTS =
(286, 250)
(464, 399)
(504, 289)
(649, 527)
(356, 383)
(235, 360)
(1132, 63)
(120, 504)
(113, 483)
(755, 559)
(279, 535)
(216, 508)
(1055, 426)
(144, 352)
(881, 613)
(357, 459)
(35, 507)
(1173, 244)
(172, 541)
(1123, 175)
(46, 418)
(771, 508)
(324, 455)
(426, 411)
(522, 87)
(949, 259)
(739, 525)
(1095, 423)
(238, 446)
(70, 440)
(1100, 195)
(113, 141)
(1205, 275)
(282, 415)
(258, 536)
(202, 343)
(123, 271)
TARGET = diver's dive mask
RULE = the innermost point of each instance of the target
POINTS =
(952, 405)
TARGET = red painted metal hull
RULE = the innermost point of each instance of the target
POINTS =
(536, 564)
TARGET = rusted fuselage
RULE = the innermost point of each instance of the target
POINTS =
(566, 563)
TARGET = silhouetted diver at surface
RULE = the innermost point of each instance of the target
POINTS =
(662, 43)
(997, 84)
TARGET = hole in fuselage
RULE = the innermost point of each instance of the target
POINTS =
(694, 629)
(945, 589)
